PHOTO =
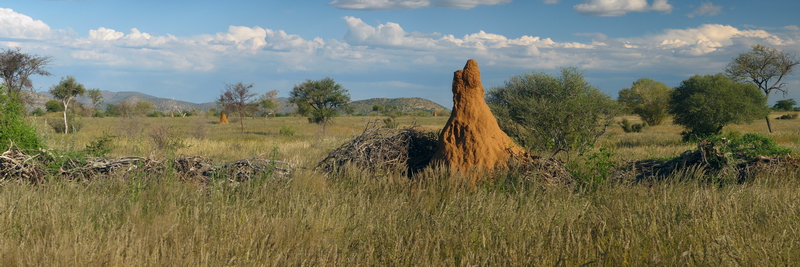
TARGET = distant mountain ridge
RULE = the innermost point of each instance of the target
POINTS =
(406, 105)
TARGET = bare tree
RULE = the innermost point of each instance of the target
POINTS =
(237, 98)
(764, 66)
(65, 91)
(17, 67)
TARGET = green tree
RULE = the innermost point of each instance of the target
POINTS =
(65, 91)
(765, 67)
(53, 106)
(319, 99)
(705, 104)
(647, 98)
(17, 67)
(237, 98)
(785, 105)
(540, 111)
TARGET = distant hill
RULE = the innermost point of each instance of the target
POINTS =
(405, 105)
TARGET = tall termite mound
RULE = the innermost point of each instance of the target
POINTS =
(223, 119)
(472, 138)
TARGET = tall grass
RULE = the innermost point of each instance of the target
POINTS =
(362, 218)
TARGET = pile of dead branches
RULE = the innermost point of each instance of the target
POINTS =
(14, 164)
(548, 171)
(407, 150)
(707, 157)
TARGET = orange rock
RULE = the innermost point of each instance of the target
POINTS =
(472, 139)
(223, 119)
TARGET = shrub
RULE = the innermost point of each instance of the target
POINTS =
(13, 126)
(287, 131)
(705, 104)
(37, 112)
(53, 106)
(165, 138)
(628, 127)
(543, 112)
(101, 146)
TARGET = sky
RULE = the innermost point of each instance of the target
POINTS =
(188, 50)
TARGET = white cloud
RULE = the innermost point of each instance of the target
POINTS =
(19, 26)
(412, 4)
(791, 28)
(615, 8)
(706, 9)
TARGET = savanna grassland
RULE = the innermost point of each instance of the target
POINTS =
(385, 219)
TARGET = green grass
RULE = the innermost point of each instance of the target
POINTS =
(362, 218)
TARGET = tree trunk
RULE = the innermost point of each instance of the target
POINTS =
(769, 125)
(66, 126)
(241, 121)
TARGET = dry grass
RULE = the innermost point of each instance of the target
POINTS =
(363, 218)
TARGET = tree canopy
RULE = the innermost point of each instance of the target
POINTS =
(17, 67)
(319, 99)
(704, 104)
(647, 98)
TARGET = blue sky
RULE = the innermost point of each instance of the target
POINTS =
(187, 50)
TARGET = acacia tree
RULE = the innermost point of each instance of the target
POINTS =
(17, 67)
(319, 99)
(705, 104)
(540, 111)
(647, 98)
(65, 91)
(237, 98)
(765, 67)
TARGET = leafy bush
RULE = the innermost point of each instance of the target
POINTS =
(543, 112)
(629, 127)
(705, 104)
(101, 146)
(287, 131)
(37, 112)
(53, 106)
(13, 126)
(751, 145)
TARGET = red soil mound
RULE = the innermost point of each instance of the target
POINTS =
(472, 138)
(223, 119)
